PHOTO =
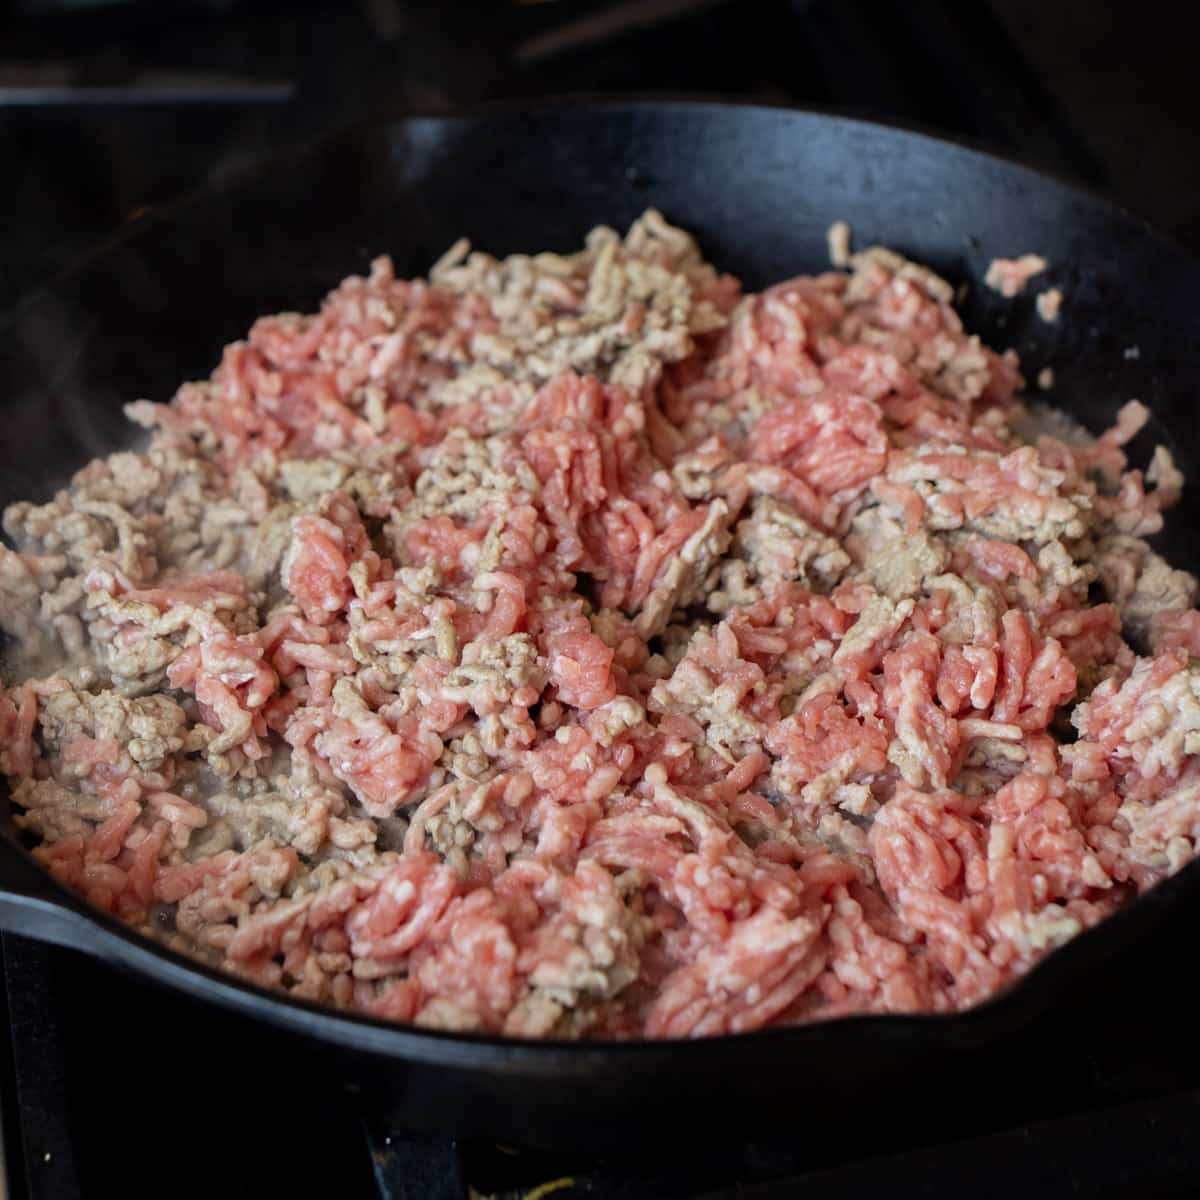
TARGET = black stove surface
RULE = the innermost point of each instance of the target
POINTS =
(111, 1083)
(108, 1087)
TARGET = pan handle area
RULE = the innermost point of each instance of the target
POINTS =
(33, 904)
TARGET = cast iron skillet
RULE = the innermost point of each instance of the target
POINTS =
(759, 186)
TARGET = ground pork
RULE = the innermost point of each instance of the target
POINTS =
(773, 542)
(1008, 276)
(1141, 584)
(571, 646)
(1049, 305)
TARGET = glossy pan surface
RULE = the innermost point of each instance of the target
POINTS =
(759, 187)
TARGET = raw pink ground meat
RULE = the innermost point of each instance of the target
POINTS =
(572, 646)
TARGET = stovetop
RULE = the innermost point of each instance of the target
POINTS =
(109, 1082)
(108, 1087)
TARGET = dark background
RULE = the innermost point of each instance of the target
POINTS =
(109, 107)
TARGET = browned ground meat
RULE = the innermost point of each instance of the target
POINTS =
(572, 645)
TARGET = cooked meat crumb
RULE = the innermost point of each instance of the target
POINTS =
(838, 239)
(1049, 304)
(1008, 276)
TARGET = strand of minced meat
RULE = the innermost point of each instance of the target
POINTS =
(574, 646)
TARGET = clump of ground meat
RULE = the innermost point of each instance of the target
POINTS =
(1008, 276)
(575, 646)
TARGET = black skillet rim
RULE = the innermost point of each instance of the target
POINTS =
(244, 174)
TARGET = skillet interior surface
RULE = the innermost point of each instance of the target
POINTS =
(759, 187)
